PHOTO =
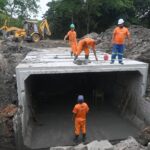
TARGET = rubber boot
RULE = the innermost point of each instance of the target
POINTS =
(76, 139)
(71, 53)
(75, 59)
(86, 59)
(84, 138)
(86, 56)
(121, 63)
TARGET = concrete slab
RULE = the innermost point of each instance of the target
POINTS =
(58, 60)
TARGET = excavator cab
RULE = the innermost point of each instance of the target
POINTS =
(34, 32)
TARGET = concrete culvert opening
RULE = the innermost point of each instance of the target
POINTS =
(50, 99)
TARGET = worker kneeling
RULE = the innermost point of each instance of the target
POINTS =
(79, 116)
(84, 45)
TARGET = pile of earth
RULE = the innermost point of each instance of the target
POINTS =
(11, 53)
(140, 42)
(10, 56)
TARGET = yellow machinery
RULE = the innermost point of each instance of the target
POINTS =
(30, 32)
(17, 32)
(35, 32)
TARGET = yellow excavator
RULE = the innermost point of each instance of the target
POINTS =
(34, 32)
(30, 32)
(17, 32)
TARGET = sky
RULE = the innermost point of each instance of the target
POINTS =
(43, 8)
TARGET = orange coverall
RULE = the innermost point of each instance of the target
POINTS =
(84, 44)
(72, 40)
(120, 34)
(80, 111)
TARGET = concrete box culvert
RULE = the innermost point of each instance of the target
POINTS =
(48, 88)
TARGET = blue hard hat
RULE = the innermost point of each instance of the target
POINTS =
(80, 98)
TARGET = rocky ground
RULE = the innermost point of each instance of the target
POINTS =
(11, 54)
(129, 144)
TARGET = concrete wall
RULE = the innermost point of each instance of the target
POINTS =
(132, 88)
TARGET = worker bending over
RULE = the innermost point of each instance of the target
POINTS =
(84, 45)
(120, 33)
(72, 39)
(79, 116)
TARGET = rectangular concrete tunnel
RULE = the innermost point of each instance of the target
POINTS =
(48, 86)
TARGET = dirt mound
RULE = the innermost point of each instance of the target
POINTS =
(10, 56)
(11, 53)
(46, 44)
(92, 35)
(140, 43)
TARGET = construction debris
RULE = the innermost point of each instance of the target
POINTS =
(100, 145)
(8, 111)
(6, 124)
(144, 137)
(128, 144)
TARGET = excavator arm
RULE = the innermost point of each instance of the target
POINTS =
(44, 26)
(18, 32)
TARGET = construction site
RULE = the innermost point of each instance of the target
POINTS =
(42, 82)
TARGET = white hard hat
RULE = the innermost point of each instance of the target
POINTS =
(120, 21)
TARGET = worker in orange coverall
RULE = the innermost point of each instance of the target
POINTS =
(84, 45)
(80, 111)
(120, 34)
(72, 35)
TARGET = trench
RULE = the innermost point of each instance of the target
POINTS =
(50, 99)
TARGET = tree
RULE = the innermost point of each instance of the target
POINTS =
(22, 7)
(94, 15)
(64, 12)
(142, 11)
(3, 4)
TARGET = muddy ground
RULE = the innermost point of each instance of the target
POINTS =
(11, 54)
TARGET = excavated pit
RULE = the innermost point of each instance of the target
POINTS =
(48, 92)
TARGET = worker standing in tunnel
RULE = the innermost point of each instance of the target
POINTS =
(120, 33)
(84, 45)
(72, 35)
(80, 111)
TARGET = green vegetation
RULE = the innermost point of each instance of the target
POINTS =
(87, 15)
(10, 21)
(19, 9)
(95, 15)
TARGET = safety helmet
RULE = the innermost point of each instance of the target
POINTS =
(120, 21)
(80, 98)
(72, 26)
